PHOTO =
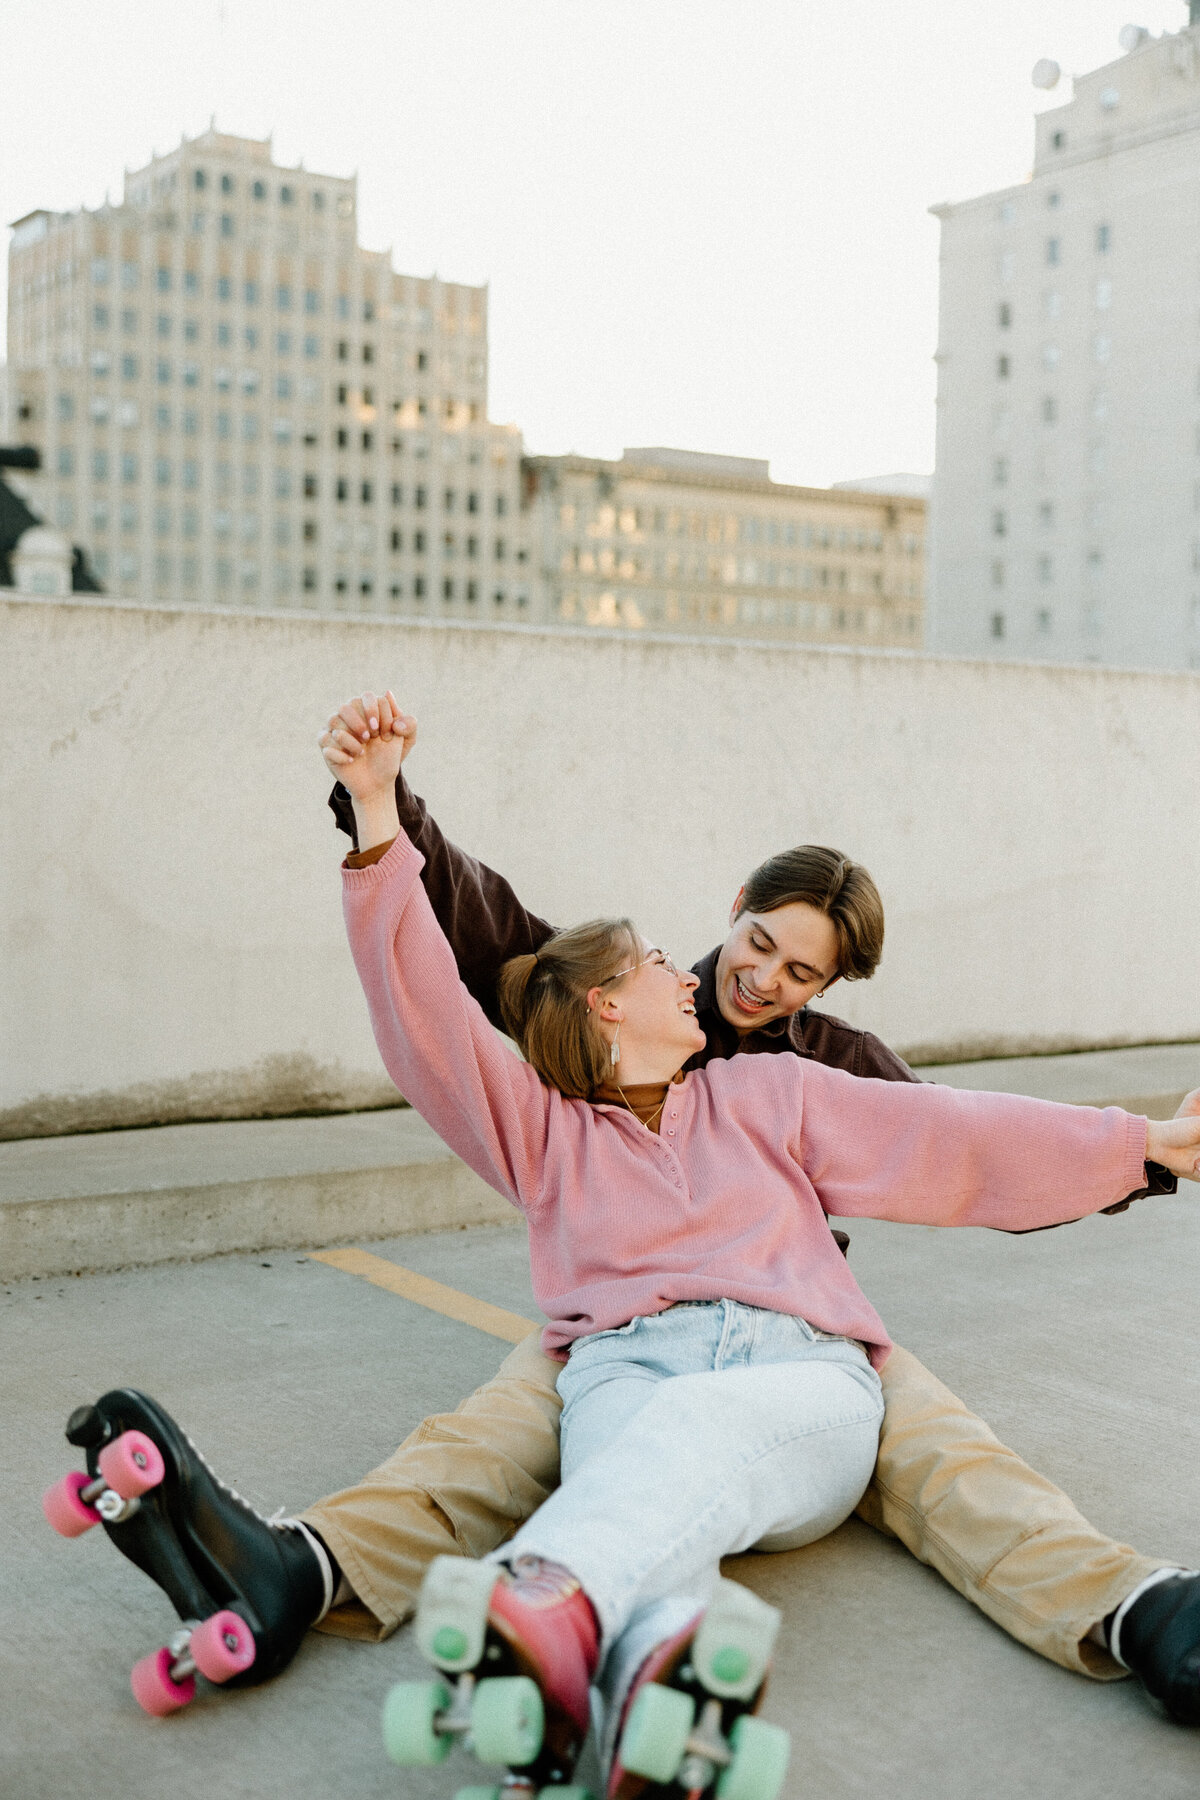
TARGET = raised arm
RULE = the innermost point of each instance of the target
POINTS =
(436, 1044)
(932, 1155)
(483, 920)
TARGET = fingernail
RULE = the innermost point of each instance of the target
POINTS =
(366, 737)
(374, 724)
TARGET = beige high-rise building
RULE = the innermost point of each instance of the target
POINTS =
(237, 404)
(1065, 514)
(674, 540)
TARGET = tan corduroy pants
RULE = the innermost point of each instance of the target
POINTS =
(1004, 1536)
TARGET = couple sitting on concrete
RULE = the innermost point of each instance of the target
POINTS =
(723, 1383)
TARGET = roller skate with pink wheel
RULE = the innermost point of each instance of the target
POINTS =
(688, 1725)
(515, 1650)
(245, 1587)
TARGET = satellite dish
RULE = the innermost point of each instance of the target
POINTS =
(1130, 36)
(1045, 73)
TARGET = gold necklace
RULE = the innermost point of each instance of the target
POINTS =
(648, 1123)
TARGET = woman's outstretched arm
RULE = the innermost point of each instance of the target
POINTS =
(943, 1156)
(436, 1044)
(483, 917)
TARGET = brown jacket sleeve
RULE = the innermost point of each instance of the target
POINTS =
(482, 918)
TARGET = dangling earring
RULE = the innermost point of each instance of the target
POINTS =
(616, 1045)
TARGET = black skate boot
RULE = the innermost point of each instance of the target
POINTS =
(1160, 1643)
(247, 1588)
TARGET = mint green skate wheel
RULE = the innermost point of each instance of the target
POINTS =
(760, 1760)
(565, 1793)
(410, 1737)
(656, 1732)
(479, 1793)
(508, 1720)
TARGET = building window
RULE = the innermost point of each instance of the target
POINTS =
(501, 506)
(1051, 357)
(1103, 237)
(365, 493)
(999, 470)
(342, 490)
(1046, 513)
(999, 523)
(1053, 250)
(286, 195)
(1003, 367)
(998, 574)
(368, 353)
(1045, 568)
(283, 298)
(419, 542)
(163, 278)
(224, 288)
(418, 587)
(447, 589)
(129, 368)
(312, 300)
(191, 281)
(199, 179)
(310, 487)
(397, 494)
(397, 541)
(998, 625)
(309, 580)
(1004, 315)
(1049, 409)
(162, 371)
(1044, 621)
(66, 461)
(227, 184)
(129, 467)
(312, 346)
(1058, 140)
(472, 503)
(1103, 294)
(162, 471)
(226, 224)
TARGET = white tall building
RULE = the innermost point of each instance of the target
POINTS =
(238, 404)
(1065, 514)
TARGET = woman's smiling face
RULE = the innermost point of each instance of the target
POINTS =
(653, 1006)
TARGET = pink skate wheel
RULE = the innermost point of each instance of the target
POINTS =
(69, 1515)
(132, 1464)
(153, 1687)
(222, 1647)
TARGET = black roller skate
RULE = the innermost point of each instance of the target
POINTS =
(246, 1588)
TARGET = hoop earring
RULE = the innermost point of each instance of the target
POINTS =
(615, 1054)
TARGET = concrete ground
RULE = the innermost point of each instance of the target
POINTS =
(1078, 1345)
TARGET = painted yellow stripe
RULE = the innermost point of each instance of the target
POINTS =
(432, 1294)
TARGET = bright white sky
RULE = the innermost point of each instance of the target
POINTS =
(704, 223)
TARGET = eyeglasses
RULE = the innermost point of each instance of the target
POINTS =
(659, 958)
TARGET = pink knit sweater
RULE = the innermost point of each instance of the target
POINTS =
(729, 1200)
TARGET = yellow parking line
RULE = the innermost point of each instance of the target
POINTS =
(432, 1294)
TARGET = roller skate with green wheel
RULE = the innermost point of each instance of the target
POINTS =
(689, 1725)
(515, 1650)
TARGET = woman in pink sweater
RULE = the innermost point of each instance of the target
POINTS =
(719, 1380)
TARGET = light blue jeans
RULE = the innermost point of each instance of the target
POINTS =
(699, 1432)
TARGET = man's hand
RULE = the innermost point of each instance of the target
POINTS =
(1175, 1143)
(365, 741)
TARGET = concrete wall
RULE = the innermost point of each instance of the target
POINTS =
(171, 938)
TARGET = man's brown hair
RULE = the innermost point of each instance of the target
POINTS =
(543, 1002)
(837, 886)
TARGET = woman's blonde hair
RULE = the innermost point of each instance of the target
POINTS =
(543, 1002)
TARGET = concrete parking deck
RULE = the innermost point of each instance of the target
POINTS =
(1078, 1345)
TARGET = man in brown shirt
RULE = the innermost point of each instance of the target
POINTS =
(959, 1500)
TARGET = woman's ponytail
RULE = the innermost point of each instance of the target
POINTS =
(513, 992)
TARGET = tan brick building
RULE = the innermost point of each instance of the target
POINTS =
(671, 540)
